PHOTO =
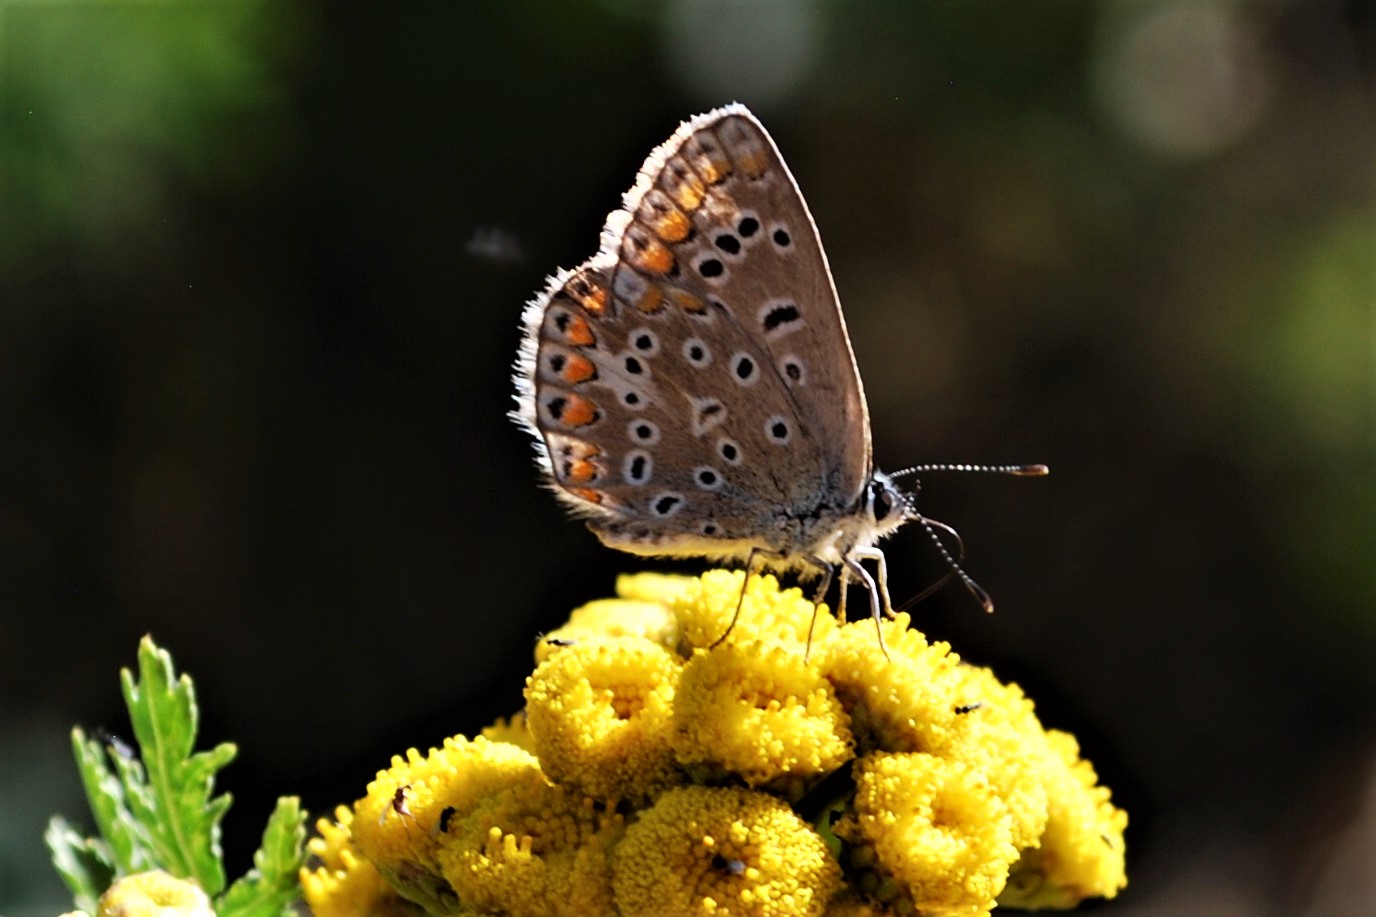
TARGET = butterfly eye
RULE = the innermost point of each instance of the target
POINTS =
(881, 501)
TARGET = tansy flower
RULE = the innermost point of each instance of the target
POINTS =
(996, 731)
(154, 894)
(533, 850)
(399, 823)
(792, 766)
(647, 618)
(600, 714)
(756, 711)
(701, 850)
(929, 830)
(705, 606)
(904, 699)
(511, 730)
(345, 884)
(1081, 852)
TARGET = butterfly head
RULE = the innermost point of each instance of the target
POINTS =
(886, 505)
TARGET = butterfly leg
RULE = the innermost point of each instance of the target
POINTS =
(818, 595)
(852, 563)
(881, 570)
(843, 587)
(745, 581)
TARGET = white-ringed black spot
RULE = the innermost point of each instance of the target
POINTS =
(744, 369)
(778, 430)
(711, 268)
(637, 468)
(729, 451)
(666, 504)
(634, 366)
(709, 529)
(632, 399)
(747, 227)
(781, 237)
(792, 369)
(707, 477)
(643, 431)
(696, 352)
(645, 341)
(728, 243)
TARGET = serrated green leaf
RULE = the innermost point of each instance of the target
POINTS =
(174, 803)
(270, 887)
(85, 864)
(106, 793)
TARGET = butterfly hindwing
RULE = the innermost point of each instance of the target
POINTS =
(693, 384)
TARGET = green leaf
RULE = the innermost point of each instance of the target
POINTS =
(83, 863)
(270, 887)
(172, 801)
(126, 838)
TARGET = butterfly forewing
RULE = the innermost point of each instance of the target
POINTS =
(693, 382)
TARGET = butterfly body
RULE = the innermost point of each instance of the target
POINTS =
(691, 388)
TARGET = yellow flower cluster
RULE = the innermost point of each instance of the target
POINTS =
(154, 894)
(793, 769)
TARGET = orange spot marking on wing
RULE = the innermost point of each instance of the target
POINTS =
(714, 168)
(578, 411)
(579, 333)
(577, 369)
(656, 258)
(587, 493)
(686, 301)
(686, 190)
(673, 226)
(591, 297)
(652, 301)
(580, 471)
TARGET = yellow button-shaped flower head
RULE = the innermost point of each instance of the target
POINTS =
(701, 850)
(900, 699)
(932, 826)
(154, 894)
(599, 714)
(1081, 853)
(706, 607)
(345, 884)
(757, 711)
(653, 620)
(532, 851)
(997, 732)
(403, 820)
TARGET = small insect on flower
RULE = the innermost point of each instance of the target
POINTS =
(442, 826)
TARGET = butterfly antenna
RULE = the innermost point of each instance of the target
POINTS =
(950, 571)
(931, 525)
(1025, 471)
(955, 569)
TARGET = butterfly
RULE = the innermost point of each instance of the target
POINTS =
(691, 388)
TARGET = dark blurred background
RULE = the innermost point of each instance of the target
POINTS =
(261, 270)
